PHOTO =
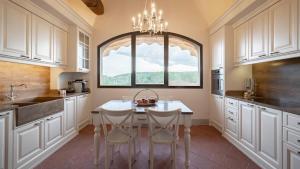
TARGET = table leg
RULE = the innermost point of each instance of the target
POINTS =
(187, 139)
(97, 144)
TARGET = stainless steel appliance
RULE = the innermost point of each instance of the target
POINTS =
(78, 86)
(217, 82)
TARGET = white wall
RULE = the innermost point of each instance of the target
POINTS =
(183, 18)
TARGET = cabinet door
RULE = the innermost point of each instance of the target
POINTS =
(70, 115)
(5, 139)
(60, 46)
(283, 26)
(269, 136)
(217, 50)
(53, 129)
(16, 39)
(217, 114)
(247, 125)
(291, 157)
(28, 142)
(241, 43)
(258, 36)
(42, 39)
(83, 52)
(82, 110)
(231, 126)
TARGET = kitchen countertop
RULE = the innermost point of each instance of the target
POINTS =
(293, 108)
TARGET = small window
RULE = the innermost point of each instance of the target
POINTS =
(116, 63)
(184, 63)
(149, 60)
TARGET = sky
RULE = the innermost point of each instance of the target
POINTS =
(149, 59)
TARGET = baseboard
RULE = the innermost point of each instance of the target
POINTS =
(197, 122)
(216, 126)
(249, 153)
(83, 124)
(47, 152)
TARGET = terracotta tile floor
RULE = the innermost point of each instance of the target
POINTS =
(209, 150)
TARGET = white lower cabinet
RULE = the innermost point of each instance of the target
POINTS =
(247, 126)
(28, 142)
(5, 139)
(269, 136)
(217, 113)
(231, 126)
(291, 157)
(70, 115)
(53, 129)
(82, 109)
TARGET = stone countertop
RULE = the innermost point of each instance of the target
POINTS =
(293, 108)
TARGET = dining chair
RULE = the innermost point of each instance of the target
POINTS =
(120, 132)
(160, 132)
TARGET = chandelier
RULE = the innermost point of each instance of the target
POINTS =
(149, 22)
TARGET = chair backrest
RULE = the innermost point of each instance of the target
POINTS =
(117, 119)
(167, 120)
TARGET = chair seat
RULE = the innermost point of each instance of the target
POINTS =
(163, 136)
(116, 136)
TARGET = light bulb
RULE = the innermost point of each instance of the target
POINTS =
(160, 12)
(153, 5)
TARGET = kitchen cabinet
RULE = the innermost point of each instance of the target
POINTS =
(5, 139)
(247, 126)
(82, 109)
(291, 157)
(70, 115)
(60, 46)
(258, 36)
(283, 27)
(28, 142)
(241, 43)
(217, 113)
(42, 40)
(79, 51)
(15, 31)
(217, 50)
(231, 117)
(269, 136)
(53, 129)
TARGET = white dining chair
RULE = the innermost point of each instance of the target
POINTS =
(121, 132)
(160, 131)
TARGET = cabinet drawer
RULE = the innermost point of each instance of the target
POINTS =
(230, 111)
(291, 121)
(231, 126)
(291, 137)
(232, 103)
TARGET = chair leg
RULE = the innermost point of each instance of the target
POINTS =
(134, 149)
(106, 156)
(112, 153)
(151, 156)
(129, 155)
(140, 135)
(174, 155)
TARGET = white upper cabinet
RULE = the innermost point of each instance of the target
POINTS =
(283, 27)
(247, 126)
(217, 50)
(42, 39)
(60, 46)
(269, 135)
(83, 52)
(258, 36)
(241, 43)
(16, 31)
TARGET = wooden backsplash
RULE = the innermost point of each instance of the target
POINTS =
(279, 80)
(37, 79)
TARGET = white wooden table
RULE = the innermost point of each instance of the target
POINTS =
(186, 117)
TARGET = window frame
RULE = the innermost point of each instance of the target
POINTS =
(133, 36)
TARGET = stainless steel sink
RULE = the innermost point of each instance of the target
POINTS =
(36, 108)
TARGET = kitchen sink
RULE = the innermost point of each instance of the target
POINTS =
(36, 108)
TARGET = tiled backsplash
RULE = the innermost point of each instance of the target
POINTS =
(279, 80)
(37, 79)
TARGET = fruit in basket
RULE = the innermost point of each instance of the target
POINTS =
(152, 100)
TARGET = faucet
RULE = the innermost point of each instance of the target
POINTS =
(12, 95)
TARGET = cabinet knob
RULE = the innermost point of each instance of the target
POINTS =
(37, 124)
(24, 56)
(3, 115)
(262, 108)
(50, 118)
(273, 53)
(298, 123)
(262, 56)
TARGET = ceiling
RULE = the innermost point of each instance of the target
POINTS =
(209, 9)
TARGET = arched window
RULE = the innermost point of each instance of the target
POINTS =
(140, 60)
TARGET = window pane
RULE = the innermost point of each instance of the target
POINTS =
(184, 69)
(115, 63)
(149, 60)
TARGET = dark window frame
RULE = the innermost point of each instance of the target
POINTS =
(166, 61)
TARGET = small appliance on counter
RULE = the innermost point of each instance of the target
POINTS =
(78, 86)
(250, 88)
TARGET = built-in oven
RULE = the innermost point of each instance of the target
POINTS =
(217, 82)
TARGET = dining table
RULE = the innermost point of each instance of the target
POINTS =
(161, 105)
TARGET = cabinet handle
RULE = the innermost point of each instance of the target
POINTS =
(273, 53)
(24, 56)
(58, 62)
(50, 118)
(37, 124)
(298, 123)
(250, 105)
(262, 108)
(3, 115)
(262, 56)
(37, 58)
(231, 112)
(231, 119)
(231, 103)
(298, 141)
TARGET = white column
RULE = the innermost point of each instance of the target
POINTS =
(187, 138)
